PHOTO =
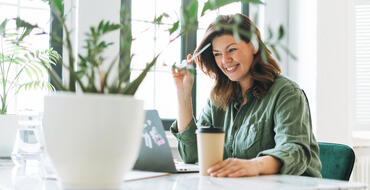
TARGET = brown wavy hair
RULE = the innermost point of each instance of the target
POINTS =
(263, 71)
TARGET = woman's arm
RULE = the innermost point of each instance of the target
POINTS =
(234, 167)
(184, 83)
(185, 109)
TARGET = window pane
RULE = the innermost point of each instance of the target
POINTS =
(39, 14)
(9, 1)
(146, 89)
(34, 3)
(204, 86)
(143, 45)
(158, 90)
(7, 11)
(143, 10)
(36, 16)
(361, 66)
(165, 95)
(170, 52)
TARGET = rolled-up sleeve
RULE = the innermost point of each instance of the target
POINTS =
(292, 133)
(187, 140)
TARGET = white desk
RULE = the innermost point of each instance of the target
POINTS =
(29, 179)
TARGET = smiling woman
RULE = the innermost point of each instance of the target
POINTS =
(245, 65)
(234, 59)
(265, 116)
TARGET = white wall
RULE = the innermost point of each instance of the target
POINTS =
(318, 34)
(332, 71)
(302, 43)
(276, 14)
(273, 14)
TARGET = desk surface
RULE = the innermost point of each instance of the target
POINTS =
(18, 178)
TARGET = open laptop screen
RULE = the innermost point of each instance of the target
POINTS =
(155, 153)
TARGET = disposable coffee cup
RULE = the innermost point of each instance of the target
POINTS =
(210, 141)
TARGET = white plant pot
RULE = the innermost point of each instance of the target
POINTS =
(92, 140)
(8, 131)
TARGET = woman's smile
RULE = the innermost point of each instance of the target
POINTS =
(231, 69)
(233, 58)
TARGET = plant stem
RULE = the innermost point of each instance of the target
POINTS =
(3, 80)
(72, 79)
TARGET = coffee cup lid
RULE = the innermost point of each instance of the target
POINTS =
(210, 129)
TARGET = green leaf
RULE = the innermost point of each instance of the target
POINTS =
(131, 88)
(106, 26)
(174, 27)
(236, 34)
(39, 84)
(189, 17)
(281, 32)
(3, 27)
(264, 54)
(27, 27)
(33, 71)
(270, 34)
(289, 52)
(216, 4)
(158, 20)
(274, 50)
(57, 5)
(38, 70)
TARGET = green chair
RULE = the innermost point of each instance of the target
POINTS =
(337, 160)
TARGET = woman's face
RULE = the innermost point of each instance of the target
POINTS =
(232, 57)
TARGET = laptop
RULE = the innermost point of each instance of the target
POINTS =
(155, 152)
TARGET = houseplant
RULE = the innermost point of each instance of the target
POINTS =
(93, 134)
(17, 61)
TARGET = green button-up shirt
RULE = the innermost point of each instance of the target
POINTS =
(279, 124)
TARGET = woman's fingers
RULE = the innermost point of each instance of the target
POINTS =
(227, 170)
(238, 173)
(221, 166)
(177, 72)
(217, 166)
(189, 56)
(233, 167)
(229, 165)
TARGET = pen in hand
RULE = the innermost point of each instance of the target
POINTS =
(184, 64)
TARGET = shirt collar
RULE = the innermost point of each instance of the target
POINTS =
(239, 99)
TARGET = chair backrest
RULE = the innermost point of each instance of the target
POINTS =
(337, 160)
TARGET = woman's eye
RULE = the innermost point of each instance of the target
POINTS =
(216, 54)
(232, 49)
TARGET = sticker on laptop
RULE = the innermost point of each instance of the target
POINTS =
(151, 133)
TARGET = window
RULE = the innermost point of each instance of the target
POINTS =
(158, 88)
(361, 65)
(35, 12)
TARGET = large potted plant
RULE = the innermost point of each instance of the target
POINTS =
(93, 129)
(20, 68)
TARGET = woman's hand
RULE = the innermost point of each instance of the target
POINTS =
(184, 83)
(234, 167)
(183, 79)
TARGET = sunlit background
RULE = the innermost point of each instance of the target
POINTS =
(35, 12)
